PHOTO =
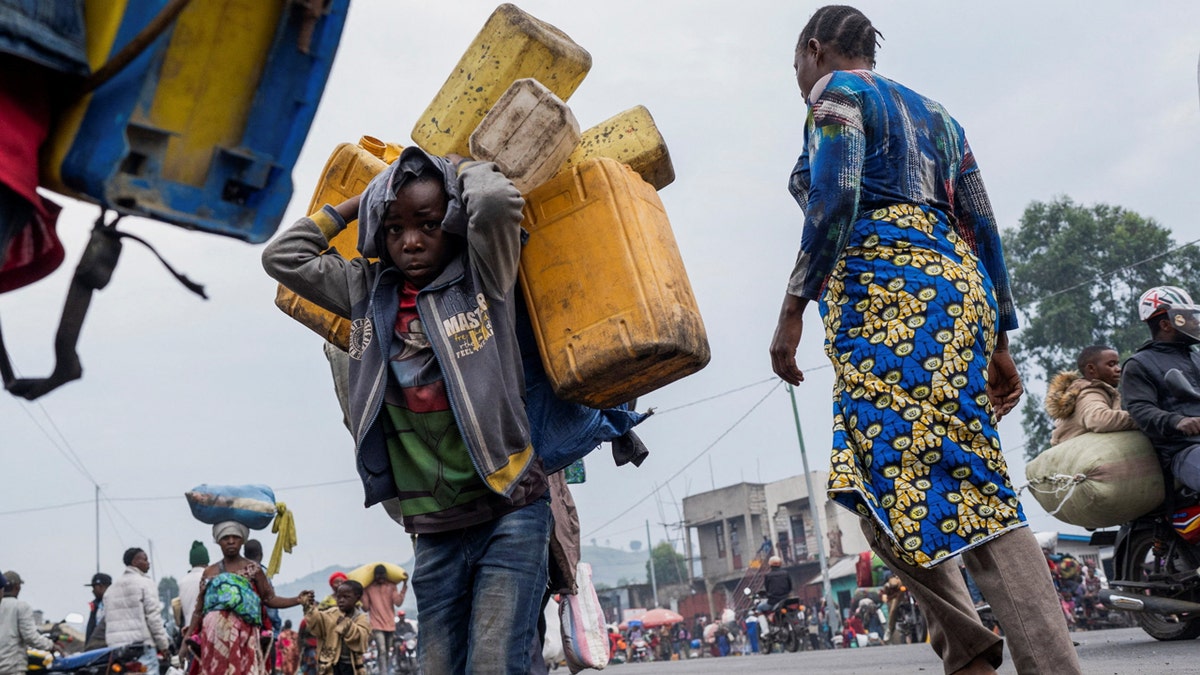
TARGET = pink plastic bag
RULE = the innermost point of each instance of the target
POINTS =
(585, 636)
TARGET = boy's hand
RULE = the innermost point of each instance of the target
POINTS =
(348, 209)
(455, 160)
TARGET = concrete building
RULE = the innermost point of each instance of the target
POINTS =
(734, 526)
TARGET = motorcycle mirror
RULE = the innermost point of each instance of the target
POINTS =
(1179, 385)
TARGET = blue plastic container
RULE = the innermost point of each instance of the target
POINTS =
(203, 128)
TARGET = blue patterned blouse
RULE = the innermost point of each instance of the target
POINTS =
(873, 143)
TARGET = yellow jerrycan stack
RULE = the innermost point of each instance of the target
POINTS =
(632, 138)
(349, 169)
(608, 296)
(511, 45)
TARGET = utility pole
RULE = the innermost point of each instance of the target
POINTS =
(97, 486)
(653, 581)
(814, 511)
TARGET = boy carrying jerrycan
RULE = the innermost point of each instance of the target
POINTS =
(436, 393)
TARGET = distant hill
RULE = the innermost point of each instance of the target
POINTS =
(609, 566)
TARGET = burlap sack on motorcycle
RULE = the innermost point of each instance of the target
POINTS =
(1098, 480)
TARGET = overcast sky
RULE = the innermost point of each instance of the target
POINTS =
(1093, 100)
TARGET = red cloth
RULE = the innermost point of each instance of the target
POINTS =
(35, 250)
(228, 645)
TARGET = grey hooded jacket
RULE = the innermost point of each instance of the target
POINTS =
(467, 311)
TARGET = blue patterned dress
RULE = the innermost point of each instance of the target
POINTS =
(902, 251)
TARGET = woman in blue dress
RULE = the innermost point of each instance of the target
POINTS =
(901, 251)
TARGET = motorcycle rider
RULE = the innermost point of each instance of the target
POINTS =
(777, 584)
(1171, 420)
(17, 630)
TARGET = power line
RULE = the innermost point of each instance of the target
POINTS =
(45, 508)
(691, 462)
(1103, 276)
(111, 500)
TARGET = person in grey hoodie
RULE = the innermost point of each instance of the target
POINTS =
(436, 393)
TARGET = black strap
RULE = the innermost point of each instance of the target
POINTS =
(93, 273)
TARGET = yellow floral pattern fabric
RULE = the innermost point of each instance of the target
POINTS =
(910, 323)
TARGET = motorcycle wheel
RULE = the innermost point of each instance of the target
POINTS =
(791, 641)
(1146, 563)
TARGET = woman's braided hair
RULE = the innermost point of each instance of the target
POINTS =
(845, 29)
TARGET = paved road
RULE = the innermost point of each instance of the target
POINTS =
(1125, 651)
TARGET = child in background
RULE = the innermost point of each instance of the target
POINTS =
(436, 394)
(341, 631)
(1087, 399)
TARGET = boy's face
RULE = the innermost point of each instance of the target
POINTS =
(413, 232)
(1106, 367)
(346, 600)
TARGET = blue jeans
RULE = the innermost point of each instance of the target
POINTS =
(479, 591)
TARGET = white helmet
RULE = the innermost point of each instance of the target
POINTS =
(1176, 304)
(1160, 299)
(775, 561)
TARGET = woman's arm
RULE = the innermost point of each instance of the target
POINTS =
(973, 210)
(1004, 387)
(826, 183)
(836, 149)
(267, 593)
(787, 339)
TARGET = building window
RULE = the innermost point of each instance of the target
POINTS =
(799, 540)
(720, 540)
(735, 546)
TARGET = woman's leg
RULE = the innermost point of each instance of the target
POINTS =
(1012, 573)
(955, 631)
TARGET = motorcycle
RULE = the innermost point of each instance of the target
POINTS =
(641, 651)
(1157, 559)
(786, 627)
(103, 661)
(909, 626)
(406, 654)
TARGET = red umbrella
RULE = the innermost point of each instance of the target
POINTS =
(660, 617)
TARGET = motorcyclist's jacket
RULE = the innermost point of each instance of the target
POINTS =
(1154, 406)
(778, 585)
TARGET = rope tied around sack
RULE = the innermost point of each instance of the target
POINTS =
(1058, 483)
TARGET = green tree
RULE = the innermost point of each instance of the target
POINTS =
(1076, 274)
(168, 590)
(669, 565)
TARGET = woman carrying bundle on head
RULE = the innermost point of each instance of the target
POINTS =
(225, 628)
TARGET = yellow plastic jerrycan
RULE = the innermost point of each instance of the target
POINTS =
(608, 296)
(511, 45)
(349, 169)
(529, 133)
(632, 138)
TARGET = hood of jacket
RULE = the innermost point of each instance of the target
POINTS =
(1062, 393)
(381, 192)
